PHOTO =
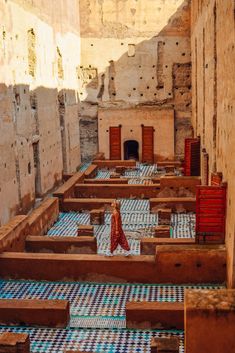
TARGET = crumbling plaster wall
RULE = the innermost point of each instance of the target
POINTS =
(33, 82)
(213, 77)
(136, 53)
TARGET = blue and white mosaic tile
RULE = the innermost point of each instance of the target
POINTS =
(137, 221)
(97, 341)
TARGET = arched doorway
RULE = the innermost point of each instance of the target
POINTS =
(131, 150)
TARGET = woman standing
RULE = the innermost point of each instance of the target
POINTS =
(117, 235)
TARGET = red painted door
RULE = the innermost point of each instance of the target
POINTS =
(115, 142)
(192, 157)
(147, 144)
(211, 213)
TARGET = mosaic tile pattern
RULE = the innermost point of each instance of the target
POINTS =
(93, 304)
(137, 221)
(142, 170)
(104, 173)
(135, 176)
(140, 181)
(97, 341)
(183, 225)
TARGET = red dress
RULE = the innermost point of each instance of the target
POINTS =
(117, 235)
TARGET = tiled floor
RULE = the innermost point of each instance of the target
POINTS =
(137, 223)
(98, 310)
(134, 176)
(99, 341)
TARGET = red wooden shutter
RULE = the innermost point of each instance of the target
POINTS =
(211, 213)
(192, 157)
(147, 144)
(115, 142)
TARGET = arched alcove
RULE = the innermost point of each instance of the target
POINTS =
(131, 150)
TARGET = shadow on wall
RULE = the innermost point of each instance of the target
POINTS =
(39, 140)
(155, 72)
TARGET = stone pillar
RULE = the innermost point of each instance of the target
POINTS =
(164, 216)
(97, 217)
(210, 321)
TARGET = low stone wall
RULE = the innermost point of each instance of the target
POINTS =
(13, 234)
(148, 245)
(191, 263)
(82, 204)
(180, 184)
(67, 189)
(116, 191)
(91, 171)
(169, 163)
(113, 163)
(34, 312)
(43, 217)
(177, 204)
(106, 181)
(63, 245)
(174, 264)
(155, 315)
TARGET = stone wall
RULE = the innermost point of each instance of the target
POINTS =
(131, 120)
(136, 54)
(39, 120)
(213, 77)
(88, 131)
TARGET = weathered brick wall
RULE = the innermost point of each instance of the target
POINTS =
(213, 77)
(39, 134)
(133, 54)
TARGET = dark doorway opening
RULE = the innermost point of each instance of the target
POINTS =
(131, 150)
